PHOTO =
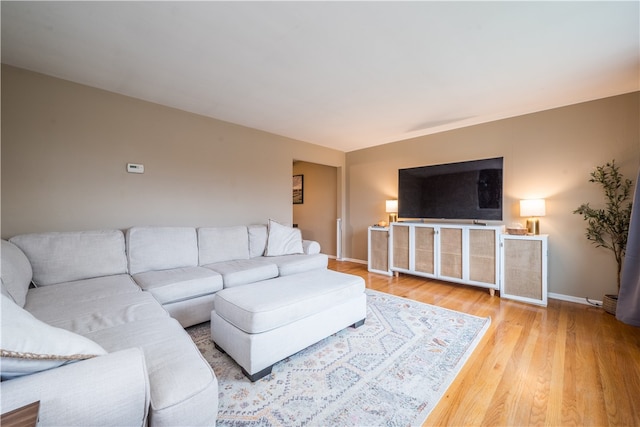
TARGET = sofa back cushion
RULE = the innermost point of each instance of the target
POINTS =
(68, 256)
(257, 240)
(161, 248)
(16, 272)
(217, 244)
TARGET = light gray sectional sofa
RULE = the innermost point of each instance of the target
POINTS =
(98, 338)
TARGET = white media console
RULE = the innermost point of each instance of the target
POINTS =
(477, 255)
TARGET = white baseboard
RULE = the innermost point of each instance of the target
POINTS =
(357, 261)
(577, 300)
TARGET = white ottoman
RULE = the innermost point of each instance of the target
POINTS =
(264, 322)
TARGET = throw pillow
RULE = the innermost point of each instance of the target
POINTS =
(283, 240)
(16, 272)
(28, 345)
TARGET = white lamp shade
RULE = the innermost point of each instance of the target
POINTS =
(532, 207)
(392, 206)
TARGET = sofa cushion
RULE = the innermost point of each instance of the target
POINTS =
(294, 264)
(261, 307)
(241, 272)
(68, 256)
(16, 272)
(257, 239)
(184, 389)
(179, 284)
(217, 244)
(283, 240)
(80, 291)
(95, 314)
(29, 345)
(161, 248)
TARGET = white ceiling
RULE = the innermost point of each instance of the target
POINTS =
(346, 75)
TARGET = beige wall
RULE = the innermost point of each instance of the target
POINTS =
(548, 155)
(317, 215)
(65, 148)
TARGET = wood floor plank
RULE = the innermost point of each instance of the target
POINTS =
(613, 366)
(513, 396)
(555, 401)
(564, 365)
(590, 399)
(481, 405)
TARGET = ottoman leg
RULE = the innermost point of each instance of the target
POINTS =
(258, 375)
(358, 324)
(255, 377)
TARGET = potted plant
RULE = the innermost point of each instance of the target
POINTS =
(609, 227)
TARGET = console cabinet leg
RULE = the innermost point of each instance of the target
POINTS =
(492, 292)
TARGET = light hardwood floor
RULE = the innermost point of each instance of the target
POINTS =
(564, 365)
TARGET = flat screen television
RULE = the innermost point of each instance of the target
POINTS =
(470, 190)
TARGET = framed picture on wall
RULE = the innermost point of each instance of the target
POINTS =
(298, 189)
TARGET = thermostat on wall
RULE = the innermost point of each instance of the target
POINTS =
(135, 168)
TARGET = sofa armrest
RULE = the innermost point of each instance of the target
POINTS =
(310, 247)
(110, 390)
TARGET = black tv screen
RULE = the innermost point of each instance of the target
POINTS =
(469, 190)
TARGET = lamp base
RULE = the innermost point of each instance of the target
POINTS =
(393, 217)
(533, 226)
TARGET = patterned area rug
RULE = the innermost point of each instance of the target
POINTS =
(391, 371)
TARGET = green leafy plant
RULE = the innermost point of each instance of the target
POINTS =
(609, 227)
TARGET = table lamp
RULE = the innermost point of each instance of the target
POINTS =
(533, 208)
(392, 210)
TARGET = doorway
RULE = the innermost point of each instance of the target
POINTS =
(316, 216)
